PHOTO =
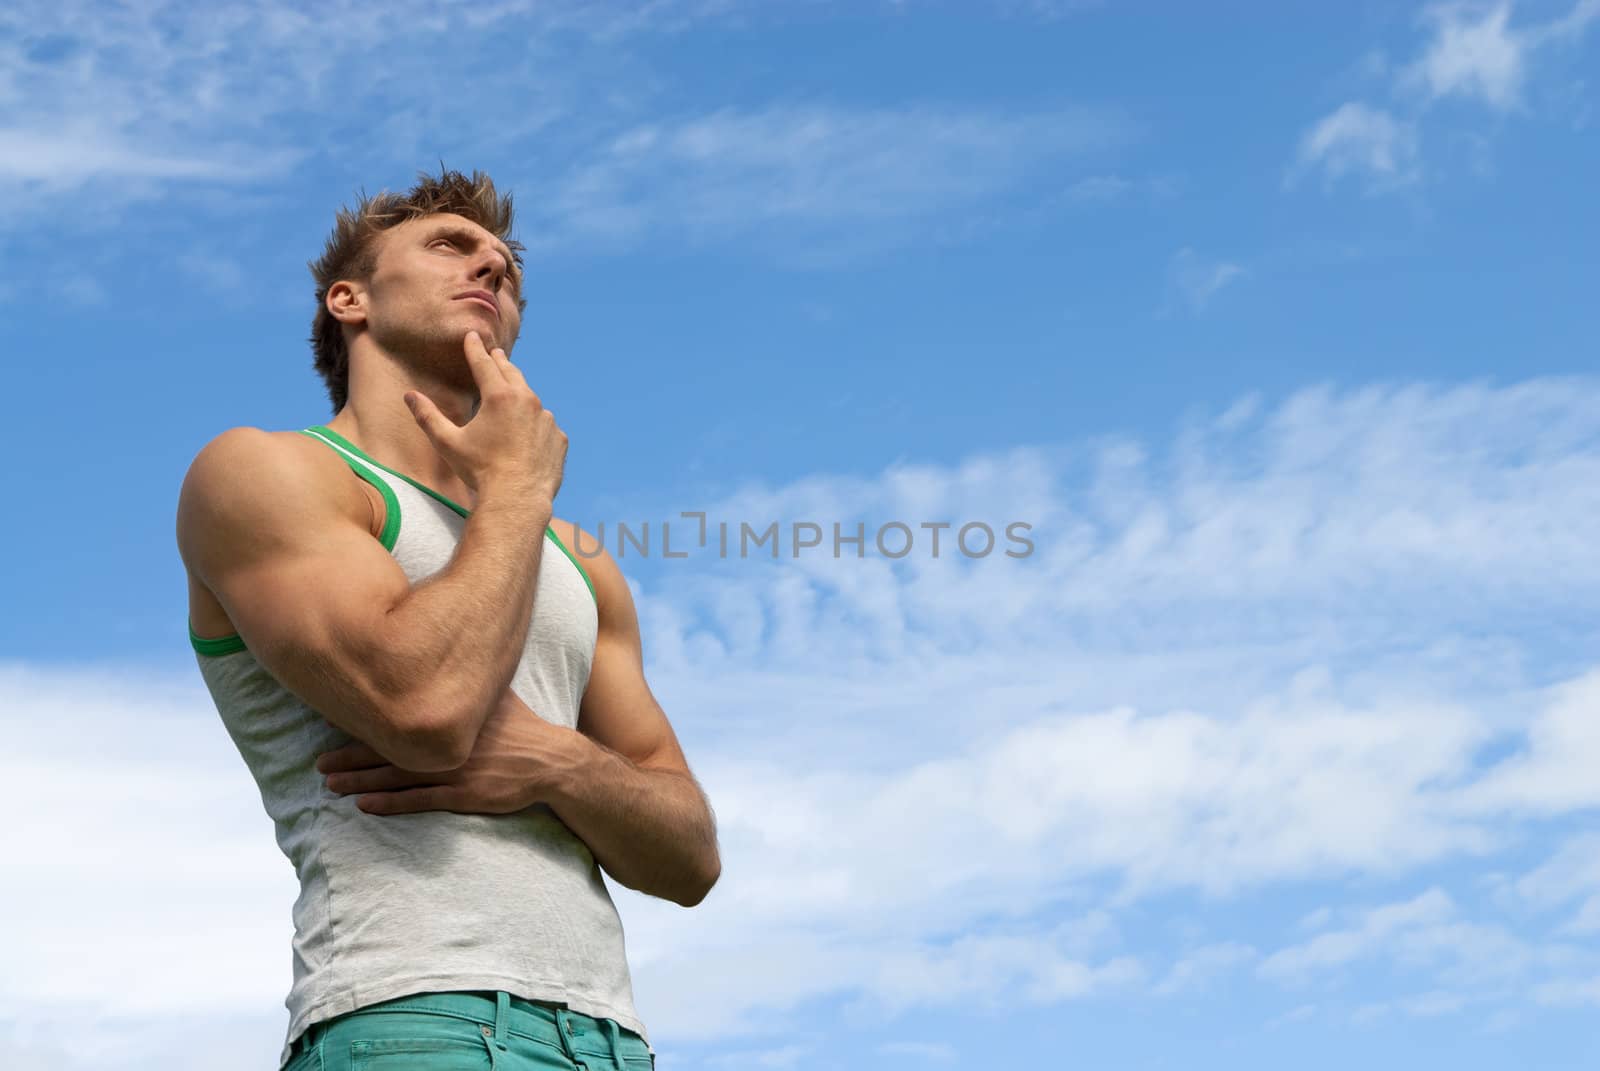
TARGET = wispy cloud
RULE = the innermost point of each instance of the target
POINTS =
(1463, 962)
(1359, 140)
(1571, 875)
(1369, 934)
(1195, 280)
(167, 92)
(936, 1052)
(1570, 992)
(1098, 188)
(135, 100)
(1475, 52)
(1472, 52)
(1200, 968)
(781, 1057)
(64, 159)
(1553, 773)
(822, 168)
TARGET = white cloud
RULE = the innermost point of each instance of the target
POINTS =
(1572, 873)
(64, 159)
(1298, 1014)
(925, 1051)
(785, 1056)
(1182, 583)
(825, 167)
(1098, 188)
(1202, 967)
(1425, 1005)
(992, 973)
(1197, 280)
(1357, 139)
(132, 98)
(1555, 773)
(1569, 992)
(1476, 53)
(1473, 53)
(137, 850)
(1337, 948)
(1463, 502)
(1471, 963)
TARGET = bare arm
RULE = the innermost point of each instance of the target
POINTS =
(619, 781)
(624, 786)
(325, 608)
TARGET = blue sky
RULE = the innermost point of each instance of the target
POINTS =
(1277, 326)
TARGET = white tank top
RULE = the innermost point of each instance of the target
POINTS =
(392, 905)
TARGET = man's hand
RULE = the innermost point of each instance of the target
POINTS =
(518, 755)
(511, 439)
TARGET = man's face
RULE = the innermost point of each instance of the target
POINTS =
(437, 278)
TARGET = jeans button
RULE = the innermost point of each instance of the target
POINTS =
(488, 1031)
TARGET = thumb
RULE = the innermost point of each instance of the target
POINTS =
(432, 422)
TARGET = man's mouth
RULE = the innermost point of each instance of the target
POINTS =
(482, 297)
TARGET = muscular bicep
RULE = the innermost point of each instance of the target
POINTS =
(619, 711)
(269, 528)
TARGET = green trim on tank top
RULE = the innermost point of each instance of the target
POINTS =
(391, 505)
(322, 429)
(234, 643)
(221, 645)
(551, 532)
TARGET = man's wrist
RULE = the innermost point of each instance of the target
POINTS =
(567, 765)
(524, 498)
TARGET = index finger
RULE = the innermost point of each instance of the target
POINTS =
(512, 373)
(485, 369)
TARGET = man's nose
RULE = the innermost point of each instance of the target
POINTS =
(492, 267)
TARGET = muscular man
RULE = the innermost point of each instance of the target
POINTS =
(444, 708)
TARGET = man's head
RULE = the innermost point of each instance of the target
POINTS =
(410, 270)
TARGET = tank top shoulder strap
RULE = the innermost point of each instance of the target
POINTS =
(391, 504)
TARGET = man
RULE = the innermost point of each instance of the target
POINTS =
(445, 711)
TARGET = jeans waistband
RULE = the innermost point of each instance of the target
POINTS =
(502, 1014)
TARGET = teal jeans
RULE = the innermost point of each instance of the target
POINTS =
(468, 1032)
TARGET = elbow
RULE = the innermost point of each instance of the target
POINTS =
(440, 721)
(432, 726)
(436, 752)
(433, 743)
(702, 889)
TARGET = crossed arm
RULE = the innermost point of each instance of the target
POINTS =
(620, 782)
(628, 792)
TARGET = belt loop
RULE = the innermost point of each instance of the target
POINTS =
(502, 1018)
(616, 1043)
(564, 1029)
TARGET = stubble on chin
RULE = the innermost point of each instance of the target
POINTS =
(432, 351)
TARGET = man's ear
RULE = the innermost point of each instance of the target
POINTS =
(347, 302)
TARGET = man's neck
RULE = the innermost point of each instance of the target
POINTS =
(376, 419)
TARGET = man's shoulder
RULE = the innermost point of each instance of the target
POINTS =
(582, 544)
(253, 454)
(589, 552)
(246, 477)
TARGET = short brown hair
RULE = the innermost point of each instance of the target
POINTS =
(352, 251)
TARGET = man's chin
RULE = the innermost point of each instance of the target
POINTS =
(436, 356)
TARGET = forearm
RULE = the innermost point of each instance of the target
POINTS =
(652, 830)
(453, 643)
